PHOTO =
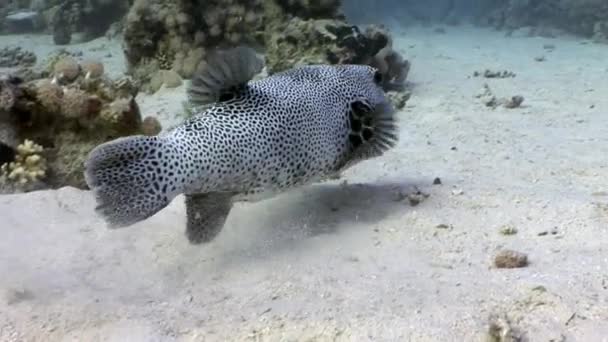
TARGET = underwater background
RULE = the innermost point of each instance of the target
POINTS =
(487, 222)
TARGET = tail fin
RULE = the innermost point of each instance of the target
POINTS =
(130, 178)
(221, 76)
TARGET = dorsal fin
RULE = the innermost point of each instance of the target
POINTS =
(223, 75)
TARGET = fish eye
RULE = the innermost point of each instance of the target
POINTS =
(377, 77)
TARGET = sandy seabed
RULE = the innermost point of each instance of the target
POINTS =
(356, 262)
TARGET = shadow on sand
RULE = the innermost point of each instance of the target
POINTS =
(273, 227)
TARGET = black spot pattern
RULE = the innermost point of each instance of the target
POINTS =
(283, 131)
(132, 178)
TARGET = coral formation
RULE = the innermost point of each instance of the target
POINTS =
(28, 168)
(69, 105)
(391, 65)
(162, 35)
(15, 56)
(92, 17)
(168, 78)
(163, 38)
(304, 42)
(92, 69)
(336, 42)
(77, 104)
(48, 95)
(68, 113)
(151, 126)
(66, 69)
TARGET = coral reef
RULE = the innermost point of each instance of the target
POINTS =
(73, 109)
(164, 38)
(336, 42)
(390, 64)
(27, 170)
(163, 35)
(92, 69)
(177, 34)
(69, 106)
(15, 56)
(66, 69)
(291, 41)
(304, 42)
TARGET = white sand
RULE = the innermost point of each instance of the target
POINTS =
(353, 263)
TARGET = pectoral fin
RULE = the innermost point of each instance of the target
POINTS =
(206, 215)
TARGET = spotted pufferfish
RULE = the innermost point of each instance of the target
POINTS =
(248, 140)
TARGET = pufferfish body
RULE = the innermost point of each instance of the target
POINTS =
(248, 140)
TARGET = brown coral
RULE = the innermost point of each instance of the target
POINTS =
(49, 95)
(392, 66)
(122, 115)
(67, 120)
(92, 69)
(337, 42)
(293, 32)
(80, 105)
(151, 126)
(66, 69)
(173, 35)
(7, 98)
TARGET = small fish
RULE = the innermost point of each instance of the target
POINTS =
(248, 141)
